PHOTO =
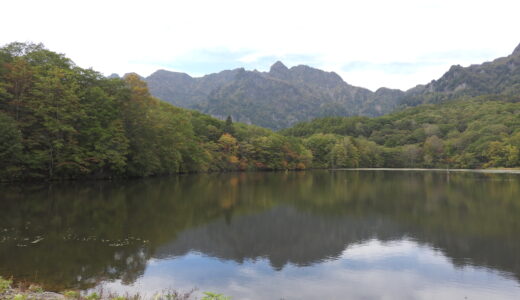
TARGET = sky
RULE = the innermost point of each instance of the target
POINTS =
(369, 43)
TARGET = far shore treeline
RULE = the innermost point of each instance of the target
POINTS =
(59, 121)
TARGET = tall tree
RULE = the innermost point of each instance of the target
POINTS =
(228, 126)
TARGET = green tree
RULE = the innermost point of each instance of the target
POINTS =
(433, 150)
(228, 126)
(345, 154)
(321, 146)
(10, 147)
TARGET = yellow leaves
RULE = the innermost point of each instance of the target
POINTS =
(228, 143)
(300, 166)
(138, 87)
(233, 159)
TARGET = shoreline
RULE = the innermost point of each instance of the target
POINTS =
(31, 291)
(484, 171)
(116, 179)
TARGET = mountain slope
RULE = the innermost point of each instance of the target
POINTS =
(500, 76)
(478, 132)
(276, 99)
(285, 96)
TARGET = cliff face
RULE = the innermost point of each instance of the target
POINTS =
(500, 76)
(275, 99)
(284, 96)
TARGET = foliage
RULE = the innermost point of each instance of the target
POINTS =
(71, 294)
(5, 284)
(214, 296)
(59, 121)
(93, 296)
(479, 132)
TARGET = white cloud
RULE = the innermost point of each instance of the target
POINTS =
(123, 36)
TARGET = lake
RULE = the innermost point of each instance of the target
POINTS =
(287, 235)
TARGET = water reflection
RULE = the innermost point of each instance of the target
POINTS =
(348, 229)
(370, 270)
(283, 235)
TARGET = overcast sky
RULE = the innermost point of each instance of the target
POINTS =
(369, 43)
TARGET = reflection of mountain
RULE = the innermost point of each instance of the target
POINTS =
(469, 217)
(491, 252)
(283, 235)
(105, 230)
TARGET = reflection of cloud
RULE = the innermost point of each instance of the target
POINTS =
(374, 250)
(370, 270)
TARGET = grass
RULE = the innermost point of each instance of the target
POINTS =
(213, 296)
(5, 285)
(170, 295)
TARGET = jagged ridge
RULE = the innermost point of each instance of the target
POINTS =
(284, 96)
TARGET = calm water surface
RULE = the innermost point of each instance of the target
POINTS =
(296, 235)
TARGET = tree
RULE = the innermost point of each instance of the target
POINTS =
(321, 146)
(228, 126)
(344, 154)
(433, 150)
(55, 104)
(10, 147)
(499, 154)
(412, 155)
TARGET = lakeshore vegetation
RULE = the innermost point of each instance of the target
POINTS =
(60, 121)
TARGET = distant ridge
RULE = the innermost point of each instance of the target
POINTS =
(517, 50)
(284, 96)
(500, 76)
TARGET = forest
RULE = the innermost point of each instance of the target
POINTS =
(60, 121)
(478, 132)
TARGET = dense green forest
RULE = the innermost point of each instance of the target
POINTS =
(59, 121)
(479, 132)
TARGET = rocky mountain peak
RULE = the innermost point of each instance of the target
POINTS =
(282, 97)
(517, 50)
(170, 75)
(278, 67)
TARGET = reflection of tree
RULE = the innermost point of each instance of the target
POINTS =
(471, 218)
(108, 230)
(101, 230)
(58, 264)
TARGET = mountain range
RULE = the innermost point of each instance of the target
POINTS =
(284, 96)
